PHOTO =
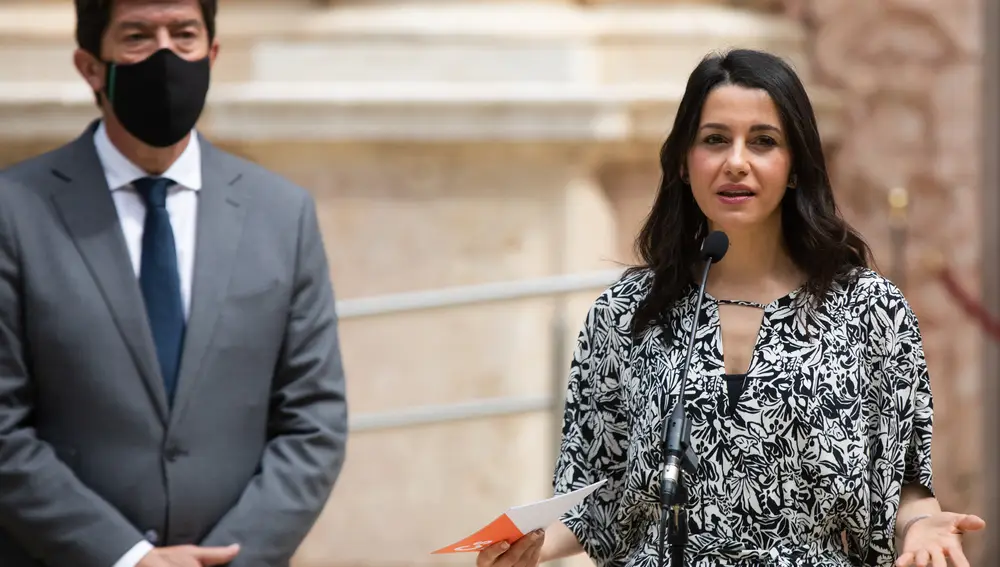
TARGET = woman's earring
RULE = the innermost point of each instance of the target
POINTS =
(792, 181)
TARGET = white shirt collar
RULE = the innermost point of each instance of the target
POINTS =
(121, 172)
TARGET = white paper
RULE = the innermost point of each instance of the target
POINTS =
(530, 517)
(519, 521)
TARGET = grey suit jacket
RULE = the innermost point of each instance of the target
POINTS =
(92, 459)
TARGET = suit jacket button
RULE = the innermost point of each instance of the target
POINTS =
(151, 536)
(173, 452)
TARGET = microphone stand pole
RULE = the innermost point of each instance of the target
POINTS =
(680, 458)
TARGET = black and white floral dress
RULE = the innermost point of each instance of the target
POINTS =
(836, 417)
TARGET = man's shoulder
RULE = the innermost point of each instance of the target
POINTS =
(261, 182)
(27, 183)
(28, 173)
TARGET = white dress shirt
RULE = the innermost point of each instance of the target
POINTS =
(182, 205)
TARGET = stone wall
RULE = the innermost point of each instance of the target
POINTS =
(909, 74)
(408, 217)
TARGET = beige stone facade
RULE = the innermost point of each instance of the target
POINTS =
(452, 143)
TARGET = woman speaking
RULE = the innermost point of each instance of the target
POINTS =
(808, 396)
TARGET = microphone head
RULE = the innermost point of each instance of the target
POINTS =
(715, 246)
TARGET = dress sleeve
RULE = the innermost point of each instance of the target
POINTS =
(916, 413)
(594, 436)
(900, 448)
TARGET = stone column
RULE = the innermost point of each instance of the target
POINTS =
(990, 470)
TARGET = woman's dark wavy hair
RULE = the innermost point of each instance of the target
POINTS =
(820, 242)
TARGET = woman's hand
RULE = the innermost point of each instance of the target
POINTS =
(937, 538)
(524, 553)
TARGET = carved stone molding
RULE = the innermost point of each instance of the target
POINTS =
(910, 74)
(764, 6)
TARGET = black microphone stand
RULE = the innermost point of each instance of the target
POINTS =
(680, 457)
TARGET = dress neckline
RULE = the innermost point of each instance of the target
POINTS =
(763, 306)
(740, 302)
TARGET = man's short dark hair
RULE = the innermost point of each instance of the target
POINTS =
(93, 17)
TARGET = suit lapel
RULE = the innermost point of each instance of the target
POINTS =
(87, 208)
(220, 226)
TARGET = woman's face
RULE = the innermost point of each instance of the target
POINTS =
(739, 164)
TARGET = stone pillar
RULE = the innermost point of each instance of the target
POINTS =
(990, 27)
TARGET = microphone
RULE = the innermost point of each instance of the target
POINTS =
(680, 457)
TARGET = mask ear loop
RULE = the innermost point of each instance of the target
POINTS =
(110, 87)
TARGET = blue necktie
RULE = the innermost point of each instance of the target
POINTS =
(160, 280)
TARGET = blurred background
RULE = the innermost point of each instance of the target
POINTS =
(481, 168)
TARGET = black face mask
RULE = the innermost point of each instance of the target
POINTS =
(159, 99)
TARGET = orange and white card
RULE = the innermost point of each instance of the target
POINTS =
(520, 520)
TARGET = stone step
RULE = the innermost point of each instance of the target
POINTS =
(534, 70)
(534, 42)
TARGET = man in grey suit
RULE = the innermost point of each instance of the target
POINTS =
(171, 389)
